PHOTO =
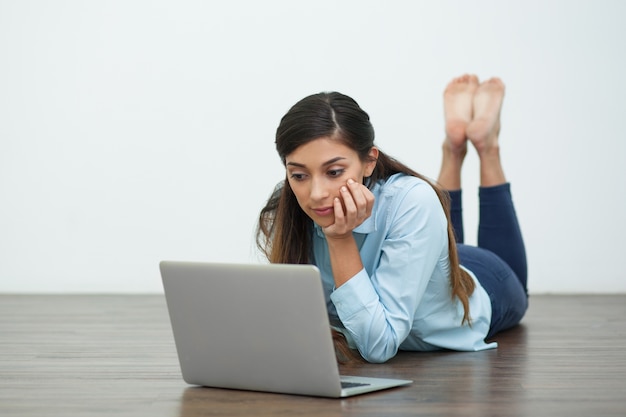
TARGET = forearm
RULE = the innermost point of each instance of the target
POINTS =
(363, 315)
(345, 259)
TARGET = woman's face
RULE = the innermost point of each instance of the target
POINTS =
(318, 169)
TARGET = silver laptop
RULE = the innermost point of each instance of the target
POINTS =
(256, 327)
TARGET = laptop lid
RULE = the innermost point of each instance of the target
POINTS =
(255, 327)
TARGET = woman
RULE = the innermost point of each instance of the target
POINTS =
(389, 242)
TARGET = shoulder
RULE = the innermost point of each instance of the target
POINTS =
(407, 199)
(407, 189)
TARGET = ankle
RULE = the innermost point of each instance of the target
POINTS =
(450, 171)
(454, 152)
(491, 171)
(488, 151)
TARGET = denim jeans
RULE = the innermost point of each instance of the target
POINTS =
(499, 261)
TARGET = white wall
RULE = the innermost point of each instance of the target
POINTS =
(133, 131)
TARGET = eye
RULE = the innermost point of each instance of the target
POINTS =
(297, 176)
(335, 172)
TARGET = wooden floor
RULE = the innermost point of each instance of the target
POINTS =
(114, 356)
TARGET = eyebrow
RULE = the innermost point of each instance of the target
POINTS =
(329, 162)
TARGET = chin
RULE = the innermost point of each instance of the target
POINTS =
(324, 221)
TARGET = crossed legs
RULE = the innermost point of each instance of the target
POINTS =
(472, 114)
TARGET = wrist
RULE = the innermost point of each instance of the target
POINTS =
(340, 240)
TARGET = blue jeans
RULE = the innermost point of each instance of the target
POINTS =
(499, 261)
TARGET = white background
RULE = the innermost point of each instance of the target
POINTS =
(135, 131)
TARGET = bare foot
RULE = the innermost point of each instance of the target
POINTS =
(457, 104)
(483, 130)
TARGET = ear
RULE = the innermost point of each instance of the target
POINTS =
(371, 164)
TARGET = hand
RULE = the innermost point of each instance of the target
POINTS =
(352, 208)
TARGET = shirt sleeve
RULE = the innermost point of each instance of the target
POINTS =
(378, 308)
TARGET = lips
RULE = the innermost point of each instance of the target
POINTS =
(324, 211)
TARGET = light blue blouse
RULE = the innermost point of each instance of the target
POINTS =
(401, 300)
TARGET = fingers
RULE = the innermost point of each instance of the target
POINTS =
(363, 199)
(339, 213)
(352, 207)
(357, 204)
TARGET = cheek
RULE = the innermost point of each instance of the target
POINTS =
(298, 193)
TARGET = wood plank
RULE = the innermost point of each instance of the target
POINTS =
(100, 355)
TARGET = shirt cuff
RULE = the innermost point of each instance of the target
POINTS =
(354, 295)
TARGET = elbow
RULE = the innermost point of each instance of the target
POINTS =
(377, 359)
(382, 348)
(379, 356)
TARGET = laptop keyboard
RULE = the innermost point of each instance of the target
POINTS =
(352, 384)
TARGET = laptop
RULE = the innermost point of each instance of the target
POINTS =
(261, 327)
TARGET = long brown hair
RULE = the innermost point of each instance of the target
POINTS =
(284, 230)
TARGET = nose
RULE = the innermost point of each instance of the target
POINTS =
(319, 189)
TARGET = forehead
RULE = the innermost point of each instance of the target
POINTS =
(319, 151)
